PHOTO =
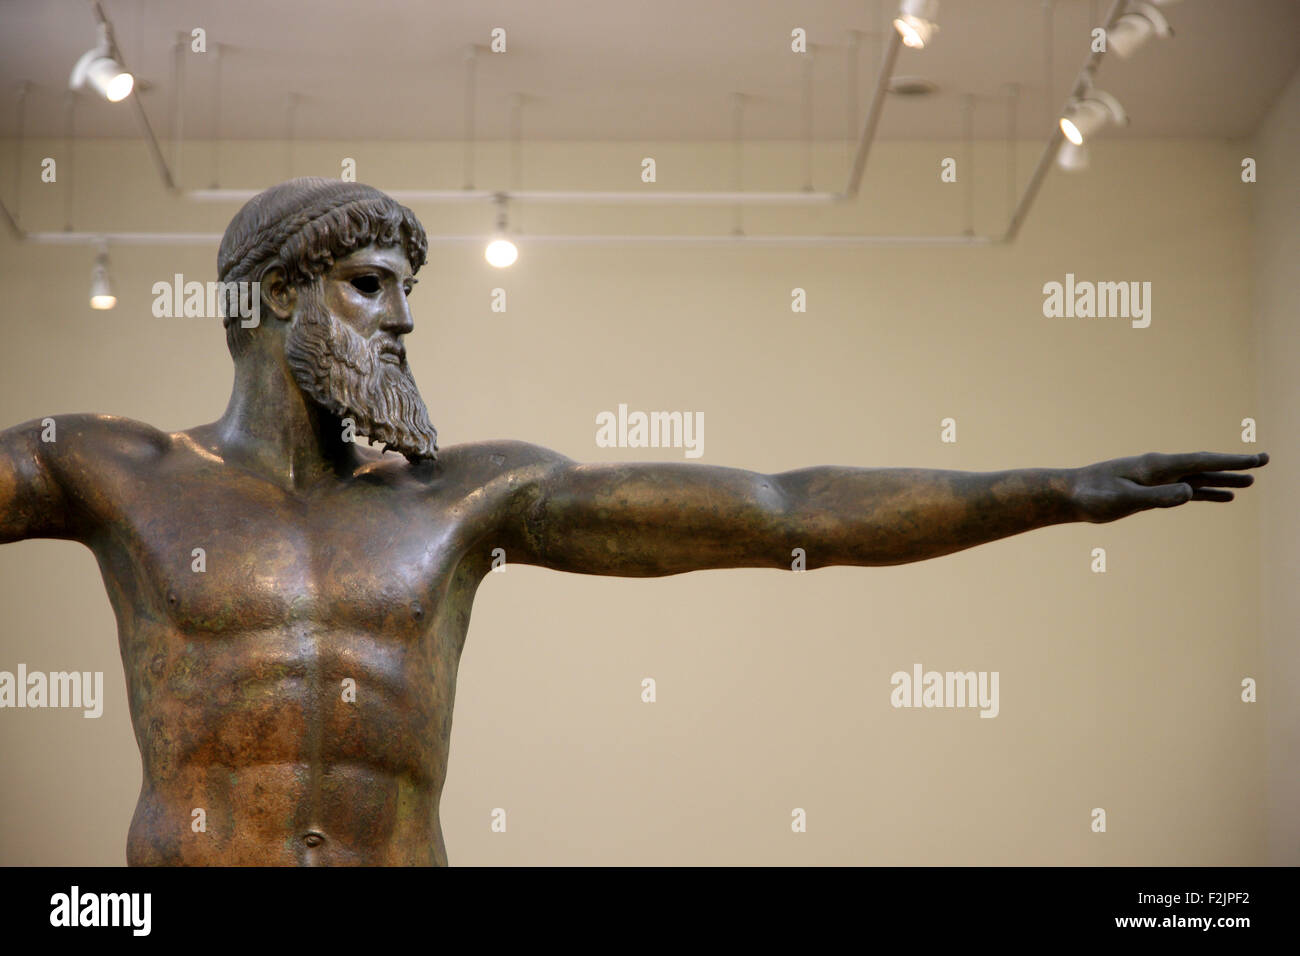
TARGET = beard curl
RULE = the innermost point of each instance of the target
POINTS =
(344, 374)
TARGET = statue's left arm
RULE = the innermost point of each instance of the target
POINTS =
(655, 519)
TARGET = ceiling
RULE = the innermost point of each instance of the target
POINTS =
(631, 69)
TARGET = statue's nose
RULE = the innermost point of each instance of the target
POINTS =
(398, 319)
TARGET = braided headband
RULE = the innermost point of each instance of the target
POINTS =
(269, 222)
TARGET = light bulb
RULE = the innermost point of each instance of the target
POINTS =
(107, 76)
(915, 22)
(913, 31)
(501, 252)
(1088, 115)
(103, 73)
(101, 290)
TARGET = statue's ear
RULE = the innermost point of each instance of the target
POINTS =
(277, 293)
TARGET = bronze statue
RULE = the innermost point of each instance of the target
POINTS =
(327, 566)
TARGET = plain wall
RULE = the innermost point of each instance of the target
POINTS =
(1119, 690)
(1276, 254)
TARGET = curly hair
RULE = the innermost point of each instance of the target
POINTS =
(302, 226)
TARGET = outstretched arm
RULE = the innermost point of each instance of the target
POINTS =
(32, 503)
(655, 519)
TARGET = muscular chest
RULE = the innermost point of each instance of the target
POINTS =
(237, 556)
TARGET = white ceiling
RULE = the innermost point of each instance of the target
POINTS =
(632, 69)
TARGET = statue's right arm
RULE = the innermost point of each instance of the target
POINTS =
(34, 498)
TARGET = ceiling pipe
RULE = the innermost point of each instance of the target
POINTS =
(567, 197)
(123, 238)
(214, 238)
(868, 135)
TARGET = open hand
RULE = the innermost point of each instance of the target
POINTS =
(1115, 489)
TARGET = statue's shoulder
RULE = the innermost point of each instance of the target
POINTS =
(490, 459)
(503, 465)
(494, 468)
(91, 436)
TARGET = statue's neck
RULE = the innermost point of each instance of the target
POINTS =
(272, 427)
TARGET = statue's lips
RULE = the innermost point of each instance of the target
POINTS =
(393, 354)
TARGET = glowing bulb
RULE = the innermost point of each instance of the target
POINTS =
(119, 87)
(914, 32)
(98, 69)
(501, 253)
(101, 290)
(112, 82)
(1088, 115)
(915, 22)
(1071, 131)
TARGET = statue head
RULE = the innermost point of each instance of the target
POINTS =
(334, 262)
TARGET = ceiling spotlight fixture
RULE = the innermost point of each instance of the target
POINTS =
(1139, 23)
(100, 69)
(1089, 114)
(1072, 158)
(915, 22)
(501, 252)
(101, 290)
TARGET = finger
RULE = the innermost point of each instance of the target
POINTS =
(1223, 479)
(1212, 494)
(1199, 461)
(1165, 496)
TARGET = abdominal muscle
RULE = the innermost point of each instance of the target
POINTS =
(253, 757)
(263, 816)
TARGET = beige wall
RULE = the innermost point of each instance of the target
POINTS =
(1275, 236)
(1118, 691)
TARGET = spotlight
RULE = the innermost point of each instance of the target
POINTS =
(1088, 115)
(915, 22)
(1140, 23)
(1072, 158)
(501, 252)
(101, 290)
(99, 68)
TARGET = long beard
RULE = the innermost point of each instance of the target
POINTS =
(343, 372)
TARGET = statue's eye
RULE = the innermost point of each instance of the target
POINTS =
(369, 284)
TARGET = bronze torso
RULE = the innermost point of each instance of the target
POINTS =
(236, 673)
